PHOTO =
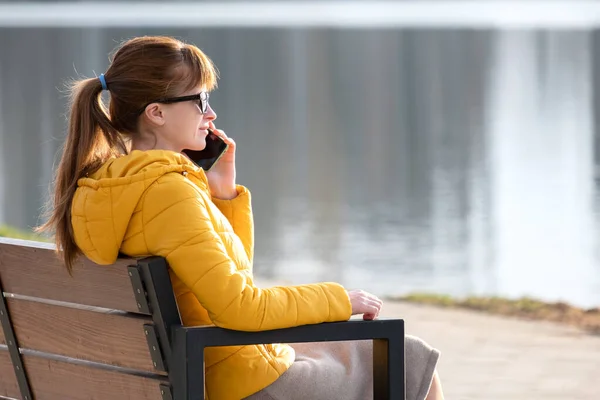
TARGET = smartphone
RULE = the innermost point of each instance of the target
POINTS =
(205, 159)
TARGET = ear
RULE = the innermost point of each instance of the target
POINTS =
(155, 114)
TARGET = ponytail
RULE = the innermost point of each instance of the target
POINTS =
(91, 140)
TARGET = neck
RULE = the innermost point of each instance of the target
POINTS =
(144, 141)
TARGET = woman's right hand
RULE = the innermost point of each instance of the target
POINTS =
(365, 303)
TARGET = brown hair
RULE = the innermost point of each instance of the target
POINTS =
(142, 70)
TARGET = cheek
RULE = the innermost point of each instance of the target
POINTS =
(192, 120)
(186, 122)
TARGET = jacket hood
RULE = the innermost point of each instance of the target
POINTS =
(105, 202)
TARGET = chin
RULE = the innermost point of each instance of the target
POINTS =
(197, 146)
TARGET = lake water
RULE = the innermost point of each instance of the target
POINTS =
(453, 161)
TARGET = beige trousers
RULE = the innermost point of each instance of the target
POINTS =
(344, 371)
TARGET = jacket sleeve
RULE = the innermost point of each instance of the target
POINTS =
(239, 213)
(177, 226)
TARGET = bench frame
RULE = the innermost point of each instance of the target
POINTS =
(179, 350)
(13, 348)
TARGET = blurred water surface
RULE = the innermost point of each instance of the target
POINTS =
(455, 161)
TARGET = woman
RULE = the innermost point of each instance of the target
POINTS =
(124, 186)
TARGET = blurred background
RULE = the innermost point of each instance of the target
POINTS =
(394, 146)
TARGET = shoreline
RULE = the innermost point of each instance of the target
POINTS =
(525, 308)
(588, 320)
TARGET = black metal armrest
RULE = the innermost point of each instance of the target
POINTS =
(388, 349)
(331, 331)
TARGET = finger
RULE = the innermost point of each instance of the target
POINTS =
(375, 303)
(376, 311)
(220, 133)
(376, 306)
(230, 143)
(366, 301)
(368, 317)
(371, 308)
(215, 130)
(379, 302)
(370, 296)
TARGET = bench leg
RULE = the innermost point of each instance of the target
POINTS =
(186, 370)
(389, 369)
(195, 379)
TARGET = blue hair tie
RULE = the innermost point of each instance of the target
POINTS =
(103, 82)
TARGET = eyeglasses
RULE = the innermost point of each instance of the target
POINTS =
(201, 99)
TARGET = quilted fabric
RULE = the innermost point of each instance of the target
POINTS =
(158, 203)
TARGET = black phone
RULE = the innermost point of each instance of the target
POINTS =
(206, 158)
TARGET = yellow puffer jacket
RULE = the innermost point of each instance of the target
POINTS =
(158, 203)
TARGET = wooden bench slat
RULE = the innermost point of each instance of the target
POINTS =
(78, 333)
(8, 382)
(33, 269)
(58, 380)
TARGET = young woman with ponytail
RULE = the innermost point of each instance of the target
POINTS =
(123, 186)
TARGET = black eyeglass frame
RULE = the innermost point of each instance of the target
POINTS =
(201, 97)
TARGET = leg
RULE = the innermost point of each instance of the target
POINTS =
(325, 371)
(344, 370)
(421, 362)
(435, 390)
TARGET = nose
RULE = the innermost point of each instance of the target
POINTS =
(210, 114)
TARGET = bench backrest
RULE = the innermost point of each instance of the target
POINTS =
(80, 337)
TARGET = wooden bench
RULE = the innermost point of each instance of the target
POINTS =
(114, 332)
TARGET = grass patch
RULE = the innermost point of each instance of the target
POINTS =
(528, 308)
(11, 232)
